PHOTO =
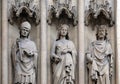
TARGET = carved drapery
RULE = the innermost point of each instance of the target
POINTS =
(24, 57)
(100, 59)
(81, 27)
(63, 57)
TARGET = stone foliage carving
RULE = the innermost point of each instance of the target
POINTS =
(59, 6)
(100, 59)
(24, 10)
(63, 58)
(99, 12)
(24, 57)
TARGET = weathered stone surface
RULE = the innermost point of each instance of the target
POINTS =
(44, 35)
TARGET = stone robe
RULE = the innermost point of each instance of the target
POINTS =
(24, 59)
(63, 71)
(99, 63)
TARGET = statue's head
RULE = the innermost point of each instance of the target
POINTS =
(25, 29)
(101, 32)
(63, 31)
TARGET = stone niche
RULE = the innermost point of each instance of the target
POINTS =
(60, 12)
(100, 12)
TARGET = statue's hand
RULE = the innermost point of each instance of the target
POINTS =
(66, 51)
(69, 50)
(89, 58)
(111, 65)
(111, 72)
(56, 59)
(28, 53)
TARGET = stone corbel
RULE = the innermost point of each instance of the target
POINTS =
(99, 13)
(24, 10)
(56, 9)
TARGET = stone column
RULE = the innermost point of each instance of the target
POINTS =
(81, 53)
(4, 43)
(0, 42)
(118, 42)
(43, 43)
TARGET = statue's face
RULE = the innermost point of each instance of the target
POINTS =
(24, 31)
(63, 30)
(101, 33)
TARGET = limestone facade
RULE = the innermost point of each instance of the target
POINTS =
(44, 29)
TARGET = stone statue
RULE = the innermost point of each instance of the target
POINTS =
(63, 58)
(100, 58)
(24, 57)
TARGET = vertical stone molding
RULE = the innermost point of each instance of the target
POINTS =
(0, 42)
(118, 42)
(4, 43)
(81, 42)
(43, 54)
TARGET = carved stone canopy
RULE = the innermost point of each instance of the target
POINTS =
(60, 9)
(24, 10)
(99, 13)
